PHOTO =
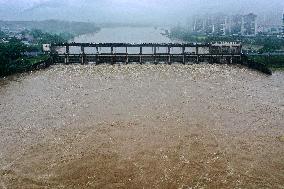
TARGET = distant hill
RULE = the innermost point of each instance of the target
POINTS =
(53, 26)
(136, 11)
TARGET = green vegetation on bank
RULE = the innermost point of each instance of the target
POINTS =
(15, 56)
(274, 62)
(23, 64)
(9, 54)
(19, 53)
(41, 37)
(266, 43)
(38, 37)
(265, 46)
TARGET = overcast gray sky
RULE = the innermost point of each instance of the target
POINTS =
(162, 11)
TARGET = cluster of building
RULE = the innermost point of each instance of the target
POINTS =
(18, 33)
(233, 25)
(245, 25)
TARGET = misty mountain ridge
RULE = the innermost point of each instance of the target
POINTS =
(53, 26)
(134, 11)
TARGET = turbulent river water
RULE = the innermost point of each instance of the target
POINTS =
(142, 126)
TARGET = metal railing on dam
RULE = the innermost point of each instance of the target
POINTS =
(223, 52)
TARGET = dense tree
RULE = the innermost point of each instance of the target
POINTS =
(12, 58)
(42, 37)
(268, 43)
(9, 54)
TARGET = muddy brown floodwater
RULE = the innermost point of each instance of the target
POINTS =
(142, 126)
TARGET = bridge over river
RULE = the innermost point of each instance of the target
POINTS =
(223, 52)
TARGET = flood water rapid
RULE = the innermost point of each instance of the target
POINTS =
(141, 126)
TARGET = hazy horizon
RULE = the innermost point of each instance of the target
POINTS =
(135, 11)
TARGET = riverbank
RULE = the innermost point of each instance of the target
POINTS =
(17, 56)
(274, 62)
(259, 49)
(135, 126)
